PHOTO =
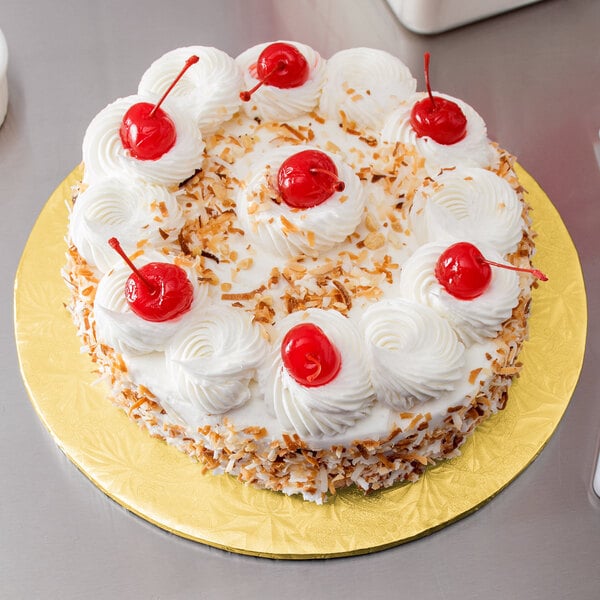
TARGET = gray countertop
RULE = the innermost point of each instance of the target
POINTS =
(534, 74)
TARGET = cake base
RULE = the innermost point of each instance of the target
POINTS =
(167, 488)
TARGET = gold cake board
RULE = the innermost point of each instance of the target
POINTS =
(168, 489)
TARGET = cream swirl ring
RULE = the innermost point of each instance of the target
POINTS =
(474, 150)
(413, 353)
(471, 204)
(473, 320)
(126, 209)
(328, 409)
(291, 231)
(209, 90)
(214, 359)
(280, 104)
(118, 326)
(105, 156)
(363, 86)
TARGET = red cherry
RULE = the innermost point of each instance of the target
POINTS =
(465, 273)
(307, 179)
(280, 65)
(438, 118)
(309, 356)
(147, 137)
(146, 130)
(157, 291)
(462, 271)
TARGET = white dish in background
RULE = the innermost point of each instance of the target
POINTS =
(3, 82)
(435, 16)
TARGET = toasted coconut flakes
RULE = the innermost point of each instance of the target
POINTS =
(374, 240)
(370, 223)
(294, 132)
(245, 263)
(473, 375)
(344, 292)
(287, 224)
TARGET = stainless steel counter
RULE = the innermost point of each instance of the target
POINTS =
(534, 74)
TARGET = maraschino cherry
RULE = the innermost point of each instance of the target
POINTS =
(280, 65)
(307, 179)
(309, 355)
(147, 131)
(465, 273)
(157, 291)
(436, 117)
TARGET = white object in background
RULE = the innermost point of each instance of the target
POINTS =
(596, 482)
(3, 82)
(434, 16)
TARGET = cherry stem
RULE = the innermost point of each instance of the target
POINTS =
(116, 246)
(338, 185)
(311, 358)
(192, 60)
(245, 96)
(537, 274)
(427, 57)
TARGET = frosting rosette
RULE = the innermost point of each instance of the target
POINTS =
(209, 90)
(473, 320)
(471, 204)
(413, 353)
(280, 104)
(118, 326)
(291, 231)
(104, 154)
(132, 211)
(213, 361)
(327, 409)
(474, 150)
(363, 86)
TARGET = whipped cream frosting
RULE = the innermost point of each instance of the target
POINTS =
(209, 90)
(474, 150)
(414, 354)
(118, 326)
(473, 320)
(473, 205)
(104, 154)
(291, 231)
(212, 362)
(264, 267)
(327, 409)
(363, 86)
(137, 214)
(281, 104)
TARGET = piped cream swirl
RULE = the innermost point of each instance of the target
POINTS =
(471, 204)
(366, 85)
(414, 354)
(474, 320)
(333, 407)
(281, 104)
(474, 150)
(209, 90)
(213, 361)
(291, 231)
(126, 209)
(104, 154)
(118, 326)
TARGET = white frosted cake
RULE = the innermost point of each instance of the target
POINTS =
(298, 290)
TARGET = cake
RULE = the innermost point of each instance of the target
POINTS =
(335, 319)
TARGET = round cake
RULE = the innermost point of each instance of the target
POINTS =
(302, 272)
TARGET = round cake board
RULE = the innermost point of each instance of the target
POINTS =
(170, 490)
